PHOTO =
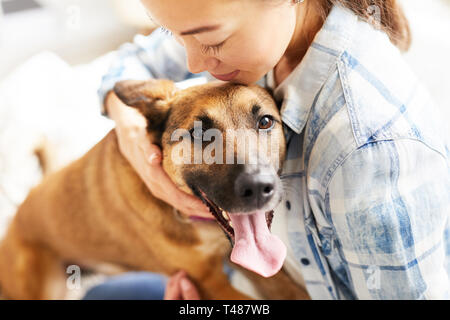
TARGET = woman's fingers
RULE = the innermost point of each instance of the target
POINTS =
(188, 290)
(173, 289)
(162, 187)
(146, 158)
(191, 205)
(153, 154)
(179, 287)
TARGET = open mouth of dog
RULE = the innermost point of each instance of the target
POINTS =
(254, 247)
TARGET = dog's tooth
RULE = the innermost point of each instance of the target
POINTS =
(225, 215)
(229, 222)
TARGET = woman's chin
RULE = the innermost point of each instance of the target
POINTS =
(246, 79)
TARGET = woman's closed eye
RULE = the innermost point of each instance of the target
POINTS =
(216, 48)
(205, 48)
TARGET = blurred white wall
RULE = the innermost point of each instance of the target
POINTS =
(132, 13)
(429, 55)
(76, 30)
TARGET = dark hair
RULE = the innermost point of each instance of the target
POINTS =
(391, 17)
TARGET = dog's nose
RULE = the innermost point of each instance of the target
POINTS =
(255, 189)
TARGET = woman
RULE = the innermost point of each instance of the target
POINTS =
(367, 170)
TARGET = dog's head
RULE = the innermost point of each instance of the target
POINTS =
(224, 143)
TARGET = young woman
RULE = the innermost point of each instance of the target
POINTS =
(367, 173)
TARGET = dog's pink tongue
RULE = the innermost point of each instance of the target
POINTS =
(255, 248)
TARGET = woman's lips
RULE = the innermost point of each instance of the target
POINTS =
(226, 77)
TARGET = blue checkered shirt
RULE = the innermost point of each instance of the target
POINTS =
(366, 208)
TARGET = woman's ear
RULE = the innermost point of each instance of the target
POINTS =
(150, 97)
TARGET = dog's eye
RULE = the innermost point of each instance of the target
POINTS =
(266, 123)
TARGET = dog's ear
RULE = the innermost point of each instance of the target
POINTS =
(150, 97)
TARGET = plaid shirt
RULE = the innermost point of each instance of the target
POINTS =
(366, 208)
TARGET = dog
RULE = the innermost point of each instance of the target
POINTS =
(97, 210)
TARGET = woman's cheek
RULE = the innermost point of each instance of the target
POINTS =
(264, 54)
(237, 59)
(247, 56)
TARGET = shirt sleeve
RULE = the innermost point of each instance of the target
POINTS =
(388, 204)
(155, 56)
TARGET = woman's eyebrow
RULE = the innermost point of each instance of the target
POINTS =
(200, 30)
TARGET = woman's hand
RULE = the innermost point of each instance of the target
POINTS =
(145, 158)
(180, 287)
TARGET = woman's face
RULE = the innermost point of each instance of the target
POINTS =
(246, 38)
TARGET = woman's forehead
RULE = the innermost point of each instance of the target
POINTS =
(185, 15)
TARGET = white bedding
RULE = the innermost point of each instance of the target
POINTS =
(46, 101)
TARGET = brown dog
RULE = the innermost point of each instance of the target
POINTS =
(98, 210)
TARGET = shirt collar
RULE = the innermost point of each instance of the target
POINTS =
(299, 90)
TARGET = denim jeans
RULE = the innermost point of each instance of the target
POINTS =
(130, 286)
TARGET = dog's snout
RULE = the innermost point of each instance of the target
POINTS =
(255, 189)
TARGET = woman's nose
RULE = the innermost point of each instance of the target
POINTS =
(198, 62)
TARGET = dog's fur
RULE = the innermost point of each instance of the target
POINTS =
(98, 210)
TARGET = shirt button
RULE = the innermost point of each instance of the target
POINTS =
(304, 261)
(288, 205)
